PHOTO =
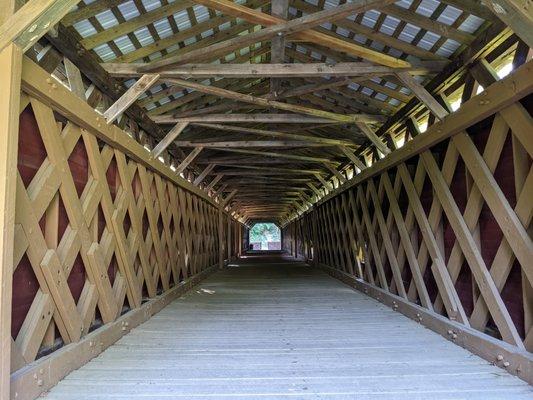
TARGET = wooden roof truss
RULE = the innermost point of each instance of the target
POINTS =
(244, 97)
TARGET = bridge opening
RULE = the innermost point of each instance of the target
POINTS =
(265, 236)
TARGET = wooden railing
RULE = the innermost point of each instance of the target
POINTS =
(105, 235)
(441, 228)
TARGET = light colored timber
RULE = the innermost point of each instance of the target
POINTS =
(259, 118)
(169, 138)
(203, 174)
(32, 21)
(517, 14)
(352, 157)
(280, 9)
(188, 160)
(370, 134)
(495, 98)
(34, 81)
(285, 27)
(59, 364)
(246, 98)
(214, 181)
(129, 97)
(322, 39)
(118, 30)
(74, 78)
(228, 198)
(295, 70)
(10, 76)
(88, 11)
(483, 346)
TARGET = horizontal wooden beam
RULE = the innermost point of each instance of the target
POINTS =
(305, 159)
(247, 143)
(260, 118)
(246, 98)
(296, 70)
(284, 135)
(275, 169)
(241, 172)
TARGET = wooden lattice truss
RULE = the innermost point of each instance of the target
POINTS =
(158, 233)
(380, 232)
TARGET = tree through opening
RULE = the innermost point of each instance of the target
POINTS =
(265, 236)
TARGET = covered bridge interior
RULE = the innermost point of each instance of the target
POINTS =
(391, 142)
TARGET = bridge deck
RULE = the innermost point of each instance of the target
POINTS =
(274, 329)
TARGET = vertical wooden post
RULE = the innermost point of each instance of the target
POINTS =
(296, 239)
(239, 244)
(10, 70)
(228, 239)
(220, 237)
(314, 251)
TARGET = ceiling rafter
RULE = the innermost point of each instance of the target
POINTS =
(353, 107)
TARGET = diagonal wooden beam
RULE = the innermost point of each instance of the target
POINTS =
(128, 98)
(75, 80)
(422, 94)
(324, 183)
(370, 134)
(203, 174)
(214, 182)
(220, 190)
(258, 17)
(246, 98)
(352, 157)
(336, 172)
(227, 199)
(32, 21)
(67, 42)
(169, 138)
(185, 163)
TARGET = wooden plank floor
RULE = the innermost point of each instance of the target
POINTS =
(273, 329)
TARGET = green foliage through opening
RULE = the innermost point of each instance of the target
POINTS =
(264, 233)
